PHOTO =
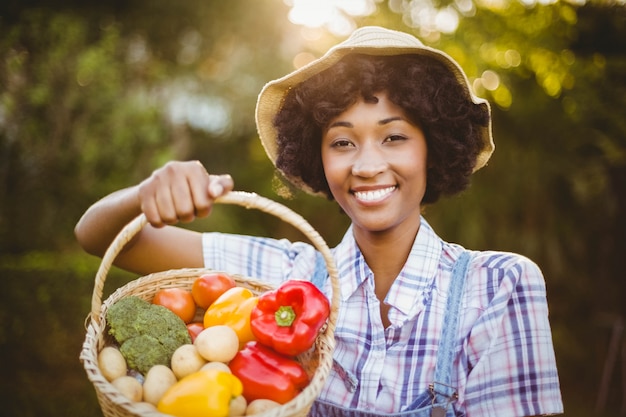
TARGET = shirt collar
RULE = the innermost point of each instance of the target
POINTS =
(351, 265)
(413, 284)
(412, 287)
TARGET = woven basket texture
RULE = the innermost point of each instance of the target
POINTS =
(317, 362)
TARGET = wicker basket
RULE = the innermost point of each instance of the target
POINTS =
(317, 363)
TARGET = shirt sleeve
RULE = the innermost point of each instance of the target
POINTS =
(508, 356)
(264, 259)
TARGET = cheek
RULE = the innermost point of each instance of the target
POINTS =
(330, 171)
(335, 173)
(419, 156)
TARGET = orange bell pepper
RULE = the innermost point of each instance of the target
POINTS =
(200, 394)
(233, 309)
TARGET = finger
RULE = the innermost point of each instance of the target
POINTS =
(220, 185)
(147, 201)
(183, 201)
(165, 205)
(197, 178)
(151, 211)
(202, 202)
(227, 182)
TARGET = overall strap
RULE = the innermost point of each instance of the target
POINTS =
(441, 389)
(320, 274)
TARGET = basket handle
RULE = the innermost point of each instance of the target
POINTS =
(245, 199)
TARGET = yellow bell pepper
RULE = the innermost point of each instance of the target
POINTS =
(233, 309)
(205, 393)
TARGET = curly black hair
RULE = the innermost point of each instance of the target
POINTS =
(423, 87)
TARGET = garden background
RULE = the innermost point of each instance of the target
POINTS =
(96, 95)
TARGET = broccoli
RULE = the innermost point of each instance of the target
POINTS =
(148, 334)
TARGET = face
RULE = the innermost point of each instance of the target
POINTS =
(375, 164)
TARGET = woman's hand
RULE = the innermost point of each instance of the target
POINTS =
(180, 191)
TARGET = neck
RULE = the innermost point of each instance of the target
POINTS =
(386, 253)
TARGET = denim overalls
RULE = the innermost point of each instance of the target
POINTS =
(436, 401)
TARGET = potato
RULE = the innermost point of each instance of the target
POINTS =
(220, 366)
(238, 406)
(217, 343)
(158, 380)
(186, 360)
(260, 406)
(111, 363)
(129, 387)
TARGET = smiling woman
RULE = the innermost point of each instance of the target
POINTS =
(374, 161)
(384, 125)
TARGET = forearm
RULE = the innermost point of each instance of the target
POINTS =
(104, 219)
(176, 192)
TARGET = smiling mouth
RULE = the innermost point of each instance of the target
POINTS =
(374, 195)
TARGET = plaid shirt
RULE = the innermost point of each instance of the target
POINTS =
(504, 363)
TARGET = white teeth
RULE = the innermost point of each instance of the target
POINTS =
(373, 195)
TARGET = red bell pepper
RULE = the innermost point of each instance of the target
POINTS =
(266, 374)
(289, 318)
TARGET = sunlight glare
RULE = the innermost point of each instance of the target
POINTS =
(431, 20)
(303, 59)
(466, 7)
(490, 80)
(311, 13)
(210, 114)
(333, 14)
(447, 20)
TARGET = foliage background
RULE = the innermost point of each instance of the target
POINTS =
(95, 95)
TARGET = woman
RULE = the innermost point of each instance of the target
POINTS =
(383, 125)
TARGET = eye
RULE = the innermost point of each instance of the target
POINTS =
(341, 143)
(394, 138)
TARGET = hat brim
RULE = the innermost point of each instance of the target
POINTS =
(367, 40)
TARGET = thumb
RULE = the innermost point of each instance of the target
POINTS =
(220, 185)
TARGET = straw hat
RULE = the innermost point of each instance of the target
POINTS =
(370, 40)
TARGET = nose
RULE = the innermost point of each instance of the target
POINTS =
(369, 162)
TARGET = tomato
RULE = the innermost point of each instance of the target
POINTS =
(207, 288)
(194, 328)
(178, 300)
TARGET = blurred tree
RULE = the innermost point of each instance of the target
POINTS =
(68, 104)
(95, 95)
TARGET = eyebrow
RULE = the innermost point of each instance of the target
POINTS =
(390, 119)
(380, 122)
